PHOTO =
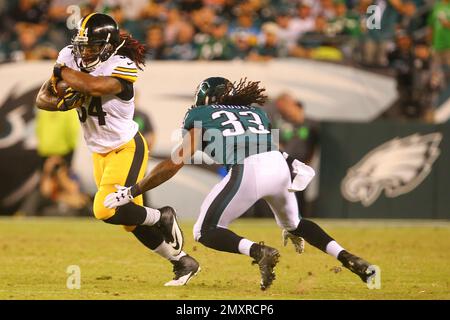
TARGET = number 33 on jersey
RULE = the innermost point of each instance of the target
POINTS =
(245, 131)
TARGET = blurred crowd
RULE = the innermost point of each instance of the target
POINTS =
(223, 29)
(406, 38)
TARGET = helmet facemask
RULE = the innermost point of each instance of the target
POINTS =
(89, 54)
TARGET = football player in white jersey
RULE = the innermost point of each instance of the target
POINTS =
(100, 67)
(261, 172)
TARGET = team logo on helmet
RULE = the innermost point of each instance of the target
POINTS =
(210, 89)
(397, 167)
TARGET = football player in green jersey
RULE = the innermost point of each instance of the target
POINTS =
(226, 124)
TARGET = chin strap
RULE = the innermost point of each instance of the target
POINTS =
(118, 47)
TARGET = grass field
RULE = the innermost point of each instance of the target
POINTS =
(414, 258)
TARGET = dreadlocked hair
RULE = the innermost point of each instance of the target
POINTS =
(243, 93)
(133, 49)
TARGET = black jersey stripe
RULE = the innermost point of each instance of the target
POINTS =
(138, 161)
(222, 200)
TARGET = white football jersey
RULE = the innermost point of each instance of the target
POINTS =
(107, 121)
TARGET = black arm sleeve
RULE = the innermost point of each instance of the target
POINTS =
(127, 92)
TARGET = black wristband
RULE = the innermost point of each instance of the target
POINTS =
(135, 190)
(57, 69)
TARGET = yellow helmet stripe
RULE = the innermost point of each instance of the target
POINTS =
(83, 25)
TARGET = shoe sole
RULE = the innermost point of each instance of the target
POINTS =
(174, 283)
(276, 258)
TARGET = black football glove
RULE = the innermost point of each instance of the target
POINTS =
(72, 99)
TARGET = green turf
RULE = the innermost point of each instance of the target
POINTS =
(34, 254)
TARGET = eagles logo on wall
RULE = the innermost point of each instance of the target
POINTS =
(19, 162)
(397, 167)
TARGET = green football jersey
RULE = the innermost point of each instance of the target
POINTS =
(232, 133)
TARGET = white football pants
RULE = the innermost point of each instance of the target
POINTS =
(261, 176)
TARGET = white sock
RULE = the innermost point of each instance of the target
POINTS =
(333, 249)
(153, 216)
(165, 251)
(244, 246)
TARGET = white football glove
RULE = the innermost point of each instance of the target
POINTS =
(119, 198)
(298, 242)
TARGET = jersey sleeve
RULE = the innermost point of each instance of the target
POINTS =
(124, 69)
(188, 122)
(65, 56)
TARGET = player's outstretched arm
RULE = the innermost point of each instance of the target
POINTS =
(45, 99)
(169, 167)
(85, 83)
(160, 174)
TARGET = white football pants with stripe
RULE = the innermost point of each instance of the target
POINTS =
(262, 176)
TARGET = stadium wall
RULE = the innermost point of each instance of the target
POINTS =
(165, 91)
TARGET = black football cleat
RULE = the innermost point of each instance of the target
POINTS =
(170, 229)
(357, 265)
(266, 258)
(184, 269)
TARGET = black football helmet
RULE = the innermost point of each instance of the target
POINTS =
(210, 89)
(96, 40)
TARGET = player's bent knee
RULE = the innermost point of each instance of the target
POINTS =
(289, 225)
(118, 217)
(197, 231)
(200, 230)
(103, 213)
(129, 214)
(197, 234)
(207, 236)
(110, 216)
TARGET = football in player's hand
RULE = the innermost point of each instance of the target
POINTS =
(61, 88)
